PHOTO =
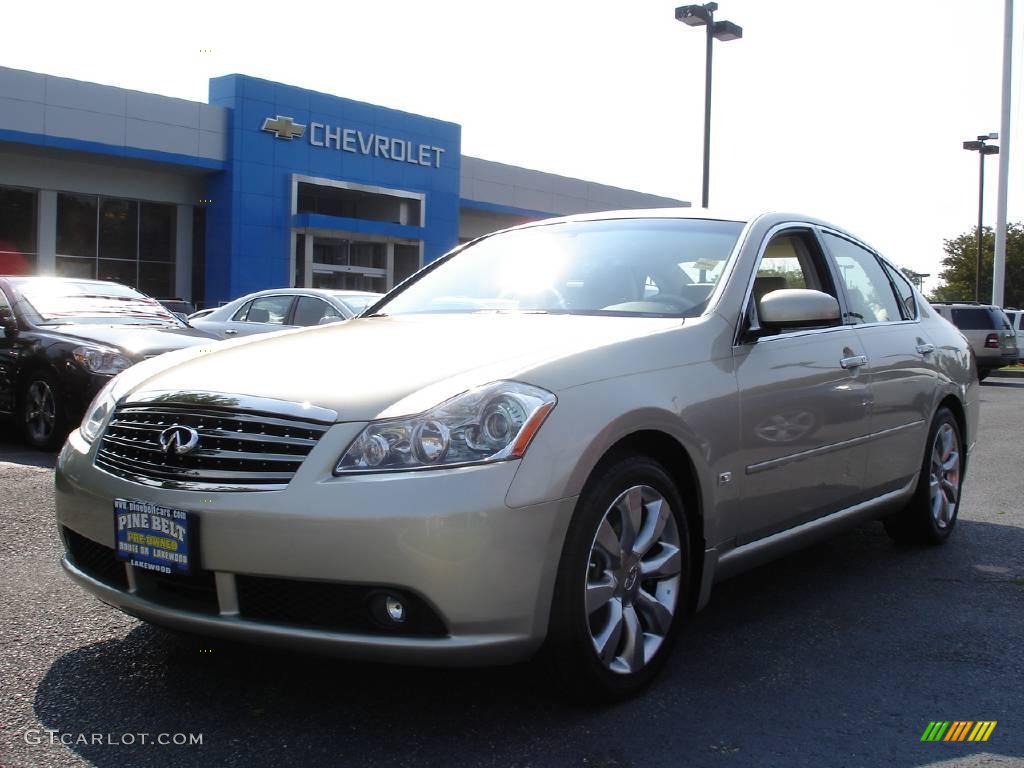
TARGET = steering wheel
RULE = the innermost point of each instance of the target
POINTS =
(548, 291)
(679, 303)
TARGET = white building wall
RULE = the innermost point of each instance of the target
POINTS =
(496, 183)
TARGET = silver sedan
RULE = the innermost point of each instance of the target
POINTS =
(278, 308)
(558, 437)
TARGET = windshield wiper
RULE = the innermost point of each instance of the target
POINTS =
(375, 314)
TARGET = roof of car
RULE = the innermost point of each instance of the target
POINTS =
(58, 279)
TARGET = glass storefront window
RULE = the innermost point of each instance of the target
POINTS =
(156, 232)
(76, 225)
(75, 266)
(18, 211)
(121, 271)
(119, 229)
(156, 279)
(126, 241)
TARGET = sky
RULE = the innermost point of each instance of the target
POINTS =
(851, 111)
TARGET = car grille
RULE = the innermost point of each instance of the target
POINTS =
(236, 450)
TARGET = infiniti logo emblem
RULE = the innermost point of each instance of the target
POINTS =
(178, 440)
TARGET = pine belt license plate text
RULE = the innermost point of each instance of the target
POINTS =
(153, 537)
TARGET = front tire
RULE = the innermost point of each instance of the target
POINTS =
(931, 515)
(623, 582)
(41, 414)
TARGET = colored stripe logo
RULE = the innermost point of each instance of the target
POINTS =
(959, 730)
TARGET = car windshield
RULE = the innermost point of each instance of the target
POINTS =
(357, 302)
(59, 302)
(646, 267)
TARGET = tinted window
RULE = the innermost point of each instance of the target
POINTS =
(979, 319)
(869, 294)
(588, 267)
(908, 304)
(311, 311)
(269, 309)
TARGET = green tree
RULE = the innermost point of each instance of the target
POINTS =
(958, 267)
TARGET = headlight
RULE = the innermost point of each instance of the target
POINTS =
(490, 423)
(100, 360)
(98, 412)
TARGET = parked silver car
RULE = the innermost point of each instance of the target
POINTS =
(278, 308)
(560, 435)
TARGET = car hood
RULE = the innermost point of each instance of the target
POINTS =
(388, 366)
(136, 341)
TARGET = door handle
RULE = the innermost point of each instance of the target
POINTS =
(230, 331)
(925, 349)
(855, 361)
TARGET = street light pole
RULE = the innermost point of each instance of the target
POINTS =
(982, 149)
(698, 16)
(706, 177)
(981, 218)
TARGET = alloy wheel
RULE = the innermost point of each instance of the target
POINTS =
(633, 576)
(40, 411)
(944, 478)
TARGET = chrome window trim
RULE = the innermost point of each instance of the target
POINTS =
(244, 403)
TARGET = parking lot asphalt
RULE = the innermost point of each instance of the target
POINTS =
(839, 655)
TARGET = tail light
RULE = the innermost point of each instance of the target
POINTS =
(992, 341)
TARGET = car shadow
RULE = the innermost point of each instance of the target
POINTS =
(849, 647)
(1013, 383)
(14, 451)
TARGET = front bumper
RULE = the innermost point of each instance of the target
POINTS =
(486, 570)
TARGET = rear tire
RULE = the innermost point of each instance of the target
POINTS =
(623, 582)
(931, 515)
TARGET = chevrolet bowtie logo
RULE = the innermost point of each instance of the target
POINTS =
(284, 127)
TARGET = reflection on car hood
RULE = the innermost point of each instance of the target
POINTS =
(136, 340)
(370, 367)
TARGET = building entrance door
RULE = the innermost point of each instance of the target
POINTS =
(356, 263)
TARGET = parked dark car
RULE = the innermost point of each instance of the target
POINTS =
(181, 308)
(64, 338)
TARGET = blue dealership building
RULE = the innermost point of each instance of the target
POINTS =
(266, 185)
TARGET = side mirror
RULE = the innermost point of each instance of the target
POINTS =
(797, 308)
(10, 326)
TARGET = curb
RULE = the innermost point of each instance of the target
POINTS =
(1008, 374)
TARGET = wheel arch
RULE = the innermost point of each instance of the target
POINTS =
(672, 454)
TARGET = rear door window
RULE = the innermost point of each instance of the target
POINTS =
(869, 294)
(310, 311)
(269, 309)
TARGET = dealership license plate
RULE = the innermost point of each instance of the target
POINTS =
(154, 537)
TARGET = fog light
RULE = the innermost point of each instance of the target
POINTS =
(394, 608)
(388, 610)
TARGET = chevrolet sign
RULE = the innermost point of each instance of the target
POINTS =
(357, 142)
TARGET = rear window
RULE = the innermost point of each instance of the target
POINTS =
(979, 319)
